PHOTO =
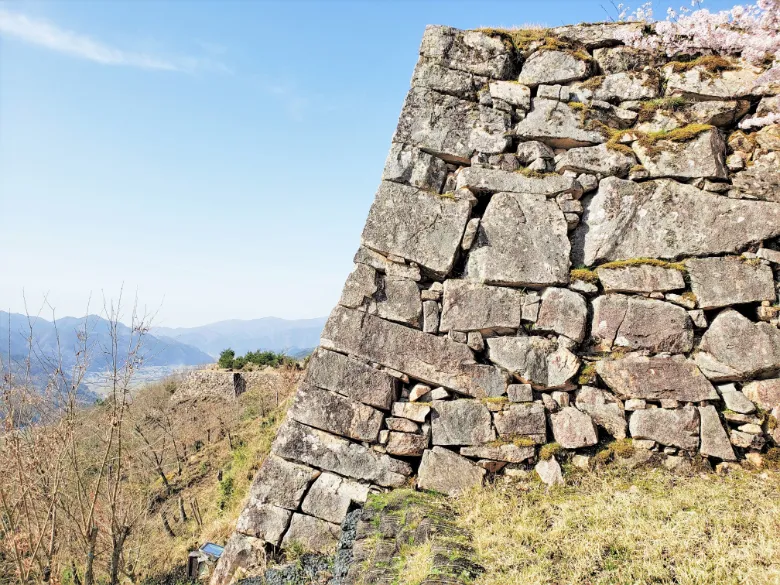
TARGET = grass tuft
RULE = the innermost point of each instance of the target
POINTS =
(584, 274)
(549, 451)
(710, 63)
(587, 374)
(644, 262)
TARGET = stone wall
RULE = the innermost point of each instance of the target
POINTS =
(572, 242)
(213, 383)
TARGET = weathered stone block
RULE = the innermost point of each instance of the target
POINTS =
(630, 220)
(472, 306)
(698, 83)
(408, 164)
(431, 75)
(599, 160)
(449, 127)
(428, 231)
(471, 51)
(640, 278)
(520, 392)
(522, 420)
(438, 361)
(337, 414)
(314, 447)
(549, 471)
(331, 496)
(714, 440)
(765, 393)
(312, 534)
(443, 471)
(563, 312)
(281, 483)
(638, 323)
(730, 280)
(556, 124)
(399, 300)
(677, 428)
(513, 93)
(461, 422)
(656, 378)
(535, 360)
(403, 425)
(573, 428)
(489, 181)
(522, 241)
(703, 156)
(735, 348)
(407, 444)
(628, 86)
(360, 286)
(411, 410)
(553, 67)
(604, 409)
(347, 376)
(264, 521)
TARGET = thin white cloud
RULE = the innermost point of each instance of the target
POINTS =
(48, 35)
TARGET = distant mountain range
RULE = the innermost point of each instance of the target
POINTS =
(295, 337)
(157, 351)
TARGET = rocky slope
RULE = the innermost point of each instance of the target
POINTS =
(571, 242)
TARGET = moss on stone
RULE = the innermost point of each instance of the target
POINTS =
(710, 63)
(621, 448)
(644, 262)
(584, 274)
(587, 374)
(666, 104)
(593, 83)
(549, 451)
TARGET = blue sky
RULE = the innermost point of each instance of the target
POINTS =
(219, 158)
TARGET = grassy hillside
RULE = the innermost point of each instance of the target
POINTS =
(165, 478)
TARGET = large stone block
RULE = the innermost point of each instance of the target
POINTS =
(449, 127)
(714, 440)
(730, 280)
(487, 181)
(735, 348)
(535, 360)
(337, 414)
(631, 220)
(360, 286)
(431, 75)
(312, 534)
(628, 86)
(640, 279)
(597, 160)
(443, 471)
(761, 180)
(472, 306)
(699, 83)
(461, 422)
(573, 428)
(522, 241)
(638, 323)
(406, 444)
(522, 420)
(399, 300)
(331, 496)
(264, 521)
(417, 225)
(553, 67)
(656, 378)
(281, 483)
(558, 125)
(438, 361)
(347, 376)
(674, 428)
(564, 312)
(471, 51)
(314, 447)
(703, 156)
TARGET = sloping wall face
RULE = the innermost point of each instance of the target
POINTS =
(572, 242)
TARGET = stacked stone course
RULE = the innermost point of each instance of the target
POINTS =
(571, 242)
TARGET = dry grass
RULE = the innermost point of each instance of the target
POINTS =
(614, 527)
(710, 63)
(644, 262)
(416, 563)
(585, 275)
